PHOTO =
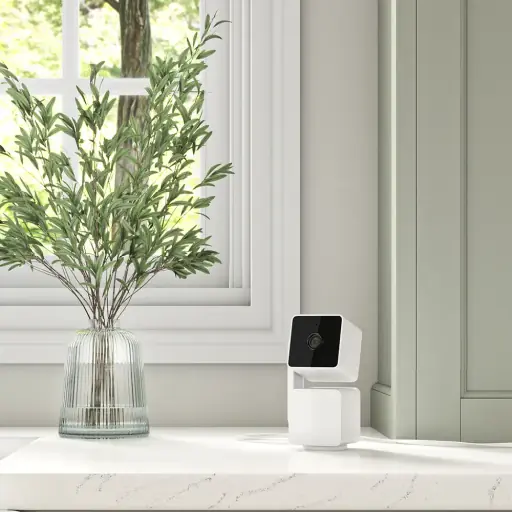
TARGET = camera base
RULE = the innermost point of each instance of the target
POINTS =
(339, 448)
(324, 418)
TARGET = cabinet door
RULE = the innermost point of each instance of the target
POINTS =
(464, 220)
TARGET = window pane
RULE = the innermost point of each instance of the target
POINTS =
(31, 37)
(169, 22)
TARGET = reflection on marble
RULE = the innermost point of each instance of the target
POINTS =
(221, 469)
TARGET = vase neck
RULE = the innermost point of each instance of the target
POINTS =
(96, 324)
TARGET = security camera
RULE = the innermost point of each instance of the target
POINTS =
(325, 352)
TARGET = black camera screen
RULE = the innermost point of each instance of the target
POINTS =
(315, 341)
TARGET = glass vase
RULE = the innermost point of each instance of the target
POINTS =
(104, 393)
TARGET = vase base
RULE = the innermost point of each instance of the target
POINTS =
(101, 434)
(103, 422)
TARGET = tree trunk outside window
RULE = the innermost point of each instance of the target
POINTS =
(136, 53)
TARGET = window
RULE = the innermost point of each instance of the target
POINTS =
(239, 313)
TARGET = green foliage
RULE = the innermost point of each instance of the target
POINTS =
(31, 34)
(108, 241)
(30, 37)
(172, 21)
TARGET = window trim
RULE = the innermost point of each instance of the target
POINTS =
(253, 333)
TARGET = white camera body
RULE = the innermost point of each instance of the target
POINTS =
(325, 352)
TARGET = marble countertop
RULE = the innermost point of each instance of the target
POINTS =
(249, 469)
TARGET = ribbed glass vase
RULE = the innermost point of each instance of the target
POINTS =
(104, 392)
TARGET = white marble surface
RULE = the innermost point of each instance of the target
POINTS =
(12, 439)
(203, 469)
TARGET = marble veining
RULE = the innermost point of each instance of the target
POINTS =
(492, 491)
(218, 502)
(408, 493)
(231, 469)
(268, 488)
(83, 482)
(191, 486)
(379, 482)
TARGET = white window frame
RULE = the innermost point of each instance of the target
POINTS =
(248, 320)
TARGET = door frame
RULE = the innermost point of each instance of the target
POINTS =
(441, 173)
(423, 398)
(393, 397)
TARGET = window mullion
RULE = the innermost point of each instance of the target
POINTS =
(70, 67)
(70, 40)
(119, 86)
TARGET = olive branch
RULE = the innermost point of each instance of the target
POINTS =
(102, 238)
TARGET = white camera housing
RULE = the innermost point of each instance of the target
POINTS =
(325, 351)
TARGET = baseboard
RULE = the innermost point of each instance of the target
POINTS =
(381, 410)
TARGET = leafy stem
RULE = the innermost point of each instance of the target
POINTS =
(110, 237)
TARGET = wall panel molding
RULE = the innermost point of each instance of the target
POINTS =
(396, 412)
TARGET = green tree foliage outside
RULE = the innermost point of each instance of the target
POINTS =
(171, 23)
(31, 34)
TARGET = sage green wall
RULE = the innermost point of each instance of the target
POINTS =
(394, 395)
(464, 211)
(339, 241)
(450, 210)
(489, 209)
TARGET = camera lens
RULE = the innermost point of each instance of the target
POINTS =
(314, 341)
